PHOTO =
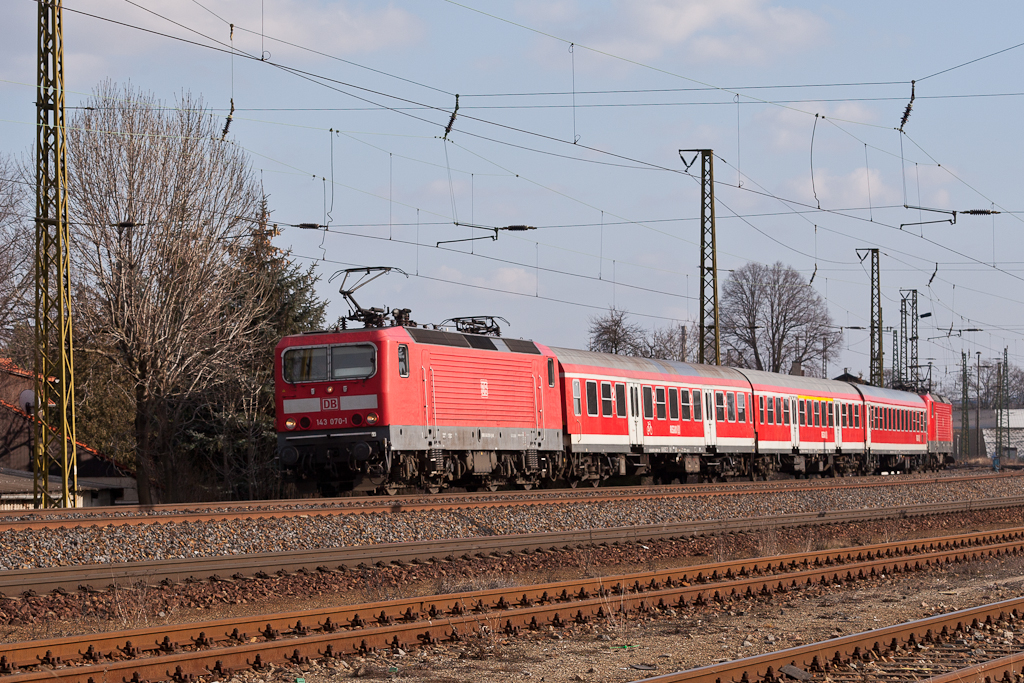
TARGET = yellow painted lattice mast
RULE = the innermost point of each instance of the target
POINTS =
(54, 437)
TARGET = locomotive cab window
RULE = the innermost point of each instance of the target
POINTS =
(719, 406)
(305, 365)
(353, 361)
(403, 360)
(620, 399)
(696, 405)
(673, 404)
(591, 398)
(576, 402)
(606, 399)
(684, 403)
(730, 404)
(648, 403)
(659, 401)
(551, 372)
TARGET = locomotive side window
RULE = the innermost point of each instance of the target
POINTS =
(742, 408)
(305, 365)
(659, 401)
(591, 397)
(403, 360)
(684, 401)
(802, 420)
(577, 406)
(719, 406)
(696, 405)
(606, 399)
(730, 403)
(551, 372)
(785, 411)
(673, 404)
(620, 399)
(771, 410)
(352, 361)
(760, 409)
(648, 403)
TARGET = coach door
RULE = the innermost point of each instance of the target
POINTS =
(710, 433)
(636, 418)
(838, 422)
(794, 421)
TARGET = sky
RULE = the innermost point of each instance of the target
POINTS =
(571, 117)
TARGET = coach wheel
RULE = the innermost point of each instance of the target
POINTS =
(595, 482)
(573, 483)
(390, 490)
(526, 487)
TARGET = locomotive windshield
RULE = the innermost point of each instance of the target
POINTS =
(352, 361)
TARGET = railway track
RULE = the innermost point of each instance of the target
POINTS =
(968, 646)
(165, 514)
(92, 577)
(180, 651)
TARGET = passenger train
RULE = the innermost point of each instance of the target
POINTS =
(405, 408)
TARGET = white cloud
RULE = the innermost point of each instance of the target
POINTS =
(738, 31)
(837, 190)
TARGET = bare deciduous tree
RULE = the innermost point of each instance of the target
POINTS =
(612, 333)
(161, 209)
(771, 317)
(15, 250)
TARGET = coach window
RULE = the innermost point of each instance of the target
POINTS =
(684, 404)
(648, 403)
(673, 404)
(719, 406)
(620, 399)
(591, 398)
(816, 409)
(778, 410)
(785, 411)
(856, 416)
(842, 414)
(403, 360)
(771, 410)
(576, 403)
(832, 414)
(551, 372)
(801, 412)
(659, 402)
(606, 399)
(760, 409)
(730, 404)
(696, 405)
(741, 409)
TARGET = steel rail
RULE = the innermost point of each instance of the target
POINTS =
(17, 582)
(1003, 669)
(816, 656)
(117, 656)
(163, 514)
(26, 653)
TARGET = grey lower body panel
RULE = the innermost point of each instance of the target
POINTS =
(447, 438)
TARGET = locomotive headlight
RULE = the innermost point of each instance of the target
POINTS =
(371, 418)
(289, 423)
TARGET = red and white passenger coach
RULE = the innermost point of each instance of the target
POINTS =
(394, 408)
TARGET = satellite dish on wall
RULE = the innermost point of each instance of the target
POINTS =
(27, 401)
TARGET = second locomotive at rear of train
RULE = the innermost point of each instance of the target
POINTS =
(390, 409)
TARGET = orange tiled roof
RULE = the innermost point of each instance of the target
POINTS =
(8, 366)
